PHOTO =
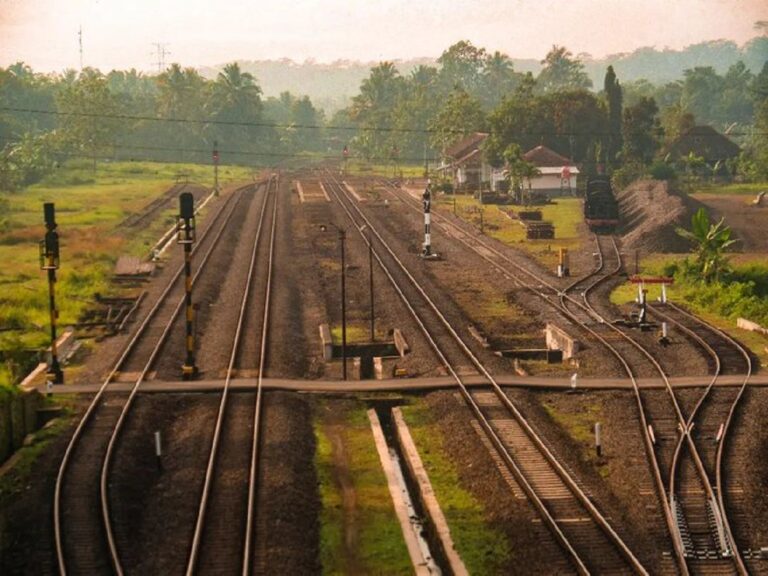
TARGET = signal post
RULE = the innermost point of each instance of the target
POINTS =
(186, 237)
(49, 260)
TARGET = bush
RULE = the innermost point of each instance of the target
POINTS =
(627, 174)
(660, 170)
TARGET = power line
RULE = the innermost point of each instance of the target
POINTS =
(388, 129)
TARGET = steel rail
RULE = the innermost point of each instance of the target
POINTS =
(563, 297)
(561, 472)
(107, 464)
(63, 467)
(236, 341)
(252, 472)
(737, 557)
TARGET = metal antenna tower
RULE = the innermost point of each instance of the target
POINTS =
(162, 51)
(80, 42)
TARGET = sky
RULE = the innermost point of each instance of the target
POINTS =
(121, 33)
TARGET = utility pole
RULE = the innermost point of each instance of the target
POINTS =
(215, 168)
(186, 236)
(49, 261)
(162, 51)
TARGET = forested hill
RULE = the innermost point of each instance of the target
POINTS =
(330, 86)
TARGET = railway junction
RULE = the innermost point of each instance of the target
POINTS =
(219, 430)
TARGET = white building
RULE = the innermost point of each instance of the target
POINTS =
(557, 173)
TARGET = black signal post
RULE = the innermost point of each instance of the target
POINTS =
(186, 237)
(342, 239)
(49, 260)
(215, 168)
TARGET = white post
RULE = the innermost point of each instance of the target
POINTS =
(663, 293)
(574, 381)
(664, 330)
(159, 450)
(598, 443)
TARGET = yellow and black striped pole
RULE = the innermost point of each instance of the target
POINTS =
(49, 261)
(186, 237)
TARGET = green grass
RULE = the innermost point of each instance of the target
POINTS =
(692, 297)
(566, 215)
(484, 549)
(362, 168)
(741, 188)
(381, 548)
(89, 209)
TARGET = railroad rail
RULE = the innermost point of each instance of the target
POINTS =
(666, 417)
(587, 539)
(86, 544)
(213, 549)
(710, 419)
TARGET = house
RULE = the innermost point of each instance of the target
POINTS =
(557, 174)
(705, 142)
(464, 161)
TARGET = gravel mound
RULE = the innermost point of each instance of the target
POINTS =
(650, 213)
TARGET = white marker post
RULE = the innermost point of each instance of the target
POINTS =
(574, 381)
(159, 450)
(598, 442)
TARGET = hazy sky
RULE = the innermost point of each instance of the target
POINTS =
(121, 33)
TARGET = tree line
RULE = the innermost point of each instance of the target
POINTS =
(179, 115)
(174, 116)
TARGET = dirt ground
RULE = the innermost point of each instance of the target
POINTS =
(747, 221)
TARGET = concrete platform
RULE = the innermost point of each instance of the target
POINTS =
(406, 384)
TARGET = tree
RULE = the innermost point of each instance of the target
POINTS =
(614, 97)
(562, 72)
(88, 109)
(460, 116)
(519, 170)
(461, 65)
(641, 132)
(711, 241)
(702, 88)
(373, 109)
(236, 98)
(498, 80)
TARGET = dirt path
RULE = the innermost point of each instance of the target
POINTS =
(342, 478)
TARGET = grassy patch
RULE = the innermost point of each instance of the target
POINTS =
(380, 545)
(483, 549)
(718, 304)
(565, 214)
(27, 456)
(580, 425)
(736, 188)
(90, 206)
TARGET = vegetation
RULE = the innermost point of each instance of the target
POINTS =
(482, 547)
(711, 241)
(89, 210)
(380, 548)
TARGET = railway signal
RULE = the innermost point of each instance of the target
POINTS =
(185, 230)
(49, 261)
(342, 238)
(427, 253)
(345, 158)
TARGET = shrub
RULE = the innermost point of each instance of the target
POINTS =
(660, 170)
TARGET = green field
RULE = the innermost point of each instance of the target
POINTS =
(719, 304)
(89, 209)
(565, 213)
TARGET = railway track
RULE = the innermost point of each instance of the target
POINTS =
(699, 526)
(223, 539)
(710, 419)
(691, 520)
(84, 539)
(588, 541)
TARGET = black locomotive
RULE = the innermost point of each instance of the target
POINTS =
(601, 210)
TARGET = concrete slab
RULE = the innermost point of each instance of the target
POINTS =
(413, 460)
(401, 509)
(405, 384)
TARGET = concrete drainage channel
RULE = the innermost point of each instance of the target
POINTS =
(424, 527)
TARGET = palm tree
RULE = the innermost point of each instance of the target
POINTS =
(711, 240)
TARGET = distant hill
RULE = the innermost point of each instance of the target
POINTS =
(331, 86)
